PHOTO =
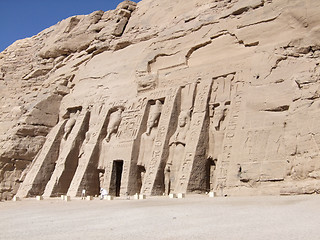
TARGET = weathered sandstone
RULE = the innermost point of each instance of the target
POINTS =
(165, 97)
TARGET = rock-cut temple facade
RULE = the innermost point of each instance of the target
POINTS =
(165, 97)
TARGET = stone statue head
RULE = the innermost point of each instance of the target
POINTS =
(152, 122)
(183, 118)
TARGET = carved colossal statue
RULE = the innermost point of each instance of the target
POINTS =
(113, 125)
(177, 145)
(70, 124)
(218, 112)
(147, 138)
(114, 122)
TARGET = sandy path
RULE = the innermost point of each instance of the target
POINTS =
(195, 217)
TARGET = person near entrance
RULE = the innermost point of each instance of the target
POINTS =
(103, 192)
(83, 194)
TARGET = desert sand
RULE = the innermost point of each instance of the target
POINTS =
(194, 217)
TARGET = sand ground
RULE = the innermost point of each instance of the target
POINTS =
(195, 217)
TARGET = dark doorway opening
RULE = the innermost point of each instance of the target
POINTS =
(117, 169)
(210, 173)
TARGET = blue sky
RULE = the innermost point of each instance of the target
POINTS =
(24, 18)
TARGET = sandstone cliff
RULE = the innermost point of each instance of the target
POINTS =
(165, 96)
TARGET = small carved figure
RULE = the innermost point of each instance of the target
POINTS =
(101, 179)
(142, 174)
(114, 122)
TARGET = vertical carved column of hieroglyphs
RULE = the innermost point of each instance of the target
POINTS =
(192, 172)
(67, 162)
(85, 176)
(229, 115)
(153, 178)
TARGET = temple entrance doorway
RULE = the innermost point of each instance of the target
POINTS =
(116, 176)
(210, 174)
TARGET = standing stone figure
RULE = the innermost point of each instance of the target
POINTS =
(101, 179)
(217, 115)
(147, 139)
(70, 124)
(113, 125)
(218, 111)
(177, 145)
(114, 122)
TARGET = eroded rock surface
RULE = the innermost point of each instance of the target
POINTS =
(224, 94)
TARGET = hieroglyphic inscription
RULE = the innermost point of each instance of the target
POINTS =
(131, 120)
(130, 123)
(119, 102)
(203, 90)
(158, 94)
(229, 139)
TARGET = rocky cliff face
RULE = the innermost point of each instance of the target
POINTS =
(165, 96)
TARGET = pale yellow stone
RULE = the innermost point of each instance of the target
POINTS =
(142, 196)
(108, 197)
(219, 95)
(89, 198)
(172, 195)
(212, 194)
(39, 198)
(136, 197)
(181, 195)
